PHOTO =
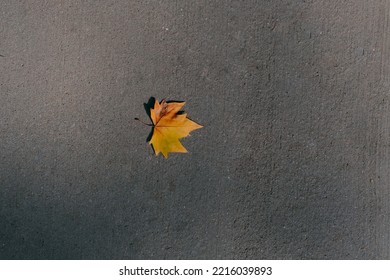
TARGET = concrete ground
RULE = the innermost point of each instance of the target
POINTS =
(293, 161)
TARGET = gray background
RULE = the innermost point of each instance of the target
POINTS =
(292, 162)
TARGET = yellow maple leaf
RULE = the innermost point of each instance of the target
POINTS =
(169, 127)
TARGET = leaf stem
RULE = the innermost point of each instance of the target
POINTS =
(137, 119)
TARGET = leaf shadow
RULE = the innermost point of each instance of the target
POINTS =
(148, 106)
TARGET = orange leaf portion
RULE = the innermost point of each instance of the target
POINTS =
(169, 127)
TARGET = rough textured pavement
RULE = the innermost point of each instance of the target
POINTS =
(292, 162)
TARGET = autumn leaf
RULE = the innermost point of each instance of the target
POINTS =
(169, 126)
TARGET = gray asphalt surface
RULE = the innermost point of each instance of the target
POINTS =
(292, 162)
